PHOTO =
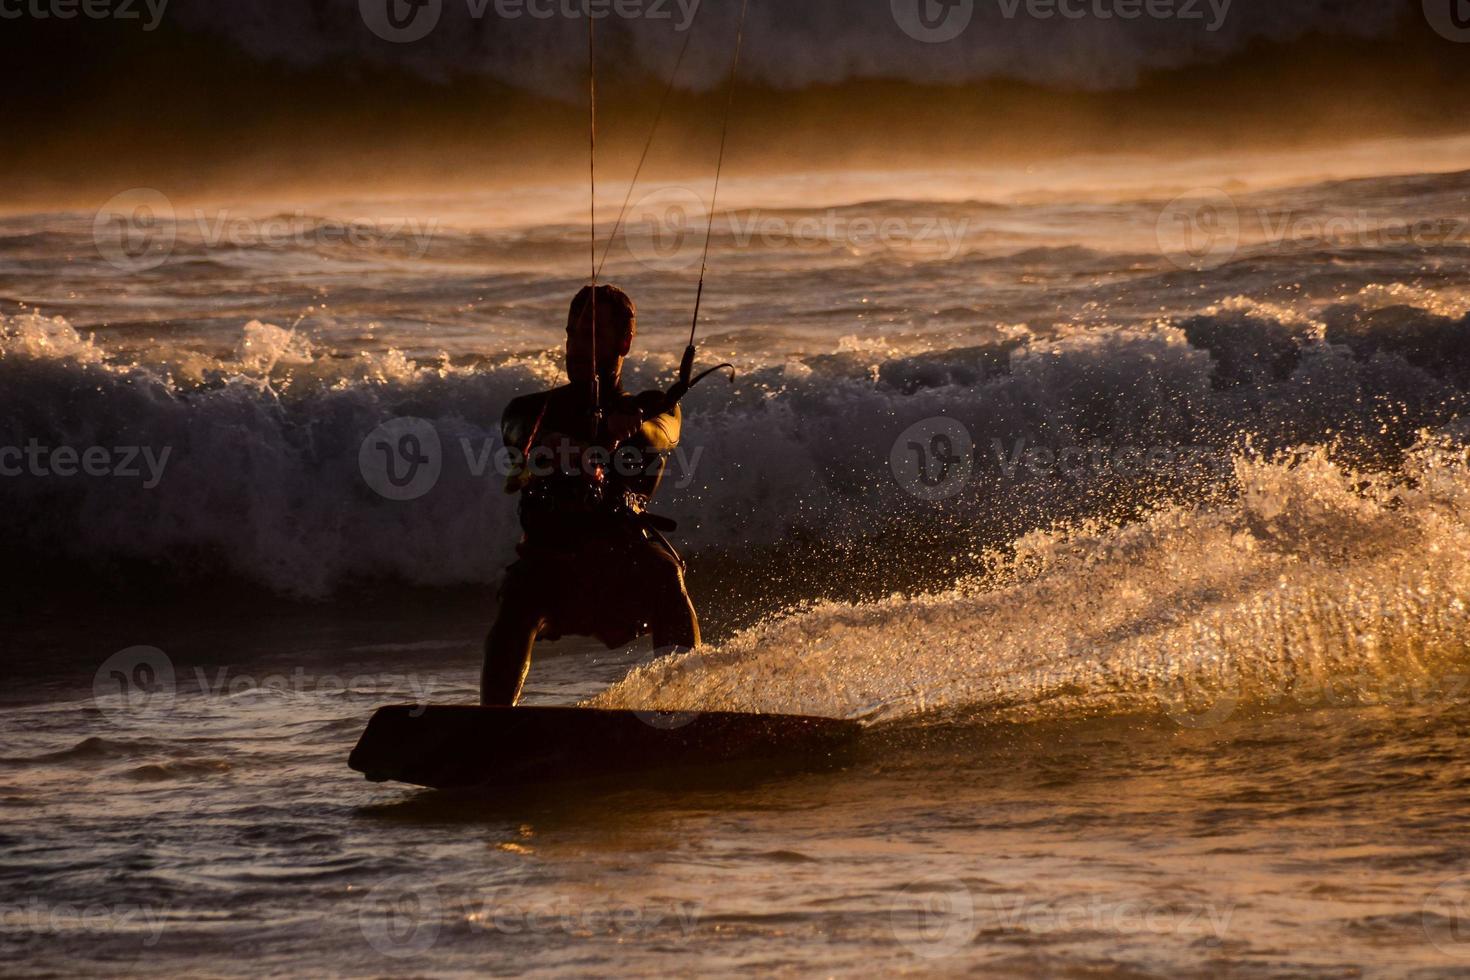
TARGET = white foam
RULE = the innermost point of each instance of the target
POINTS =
(264, 481)
(1304, 588)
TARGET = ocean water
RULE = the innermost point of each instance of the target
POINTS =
(1129, 519)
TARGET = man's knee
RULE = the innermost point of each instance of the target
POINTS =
(519, 616)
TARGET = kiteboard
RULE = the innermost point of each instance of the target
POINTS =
(459, 747)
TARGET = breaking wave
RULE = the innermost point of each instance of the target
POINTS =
(262, 479)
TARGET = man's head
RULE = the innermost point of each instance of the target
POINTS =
(617, 325)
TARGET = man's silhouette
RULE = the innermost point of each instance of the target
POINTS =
(592, 561)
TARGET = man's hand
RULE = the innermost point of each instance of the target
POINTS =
(623, 425)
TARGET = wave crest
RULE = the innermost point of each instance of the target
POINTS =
(263, 481)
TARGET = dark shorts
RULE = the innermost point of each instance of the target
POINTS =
(613, 586)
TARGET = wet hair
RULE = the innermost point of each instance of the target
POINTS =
(616, 314)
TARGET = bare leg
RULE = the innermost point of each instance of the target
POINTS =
(508, 647)
(675, 623)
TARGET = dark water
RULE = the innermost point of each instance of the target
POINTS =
(1182, 695)
(221, 834)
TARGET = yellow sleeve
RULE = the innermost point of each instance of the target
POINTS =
(660, 434)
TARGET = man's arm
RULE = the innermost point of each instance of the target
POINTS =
(518, 430)
(648, 423)
(655, 437)
(660, 433)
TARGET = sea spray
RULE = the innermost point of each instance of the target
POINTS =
(1308, 589)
